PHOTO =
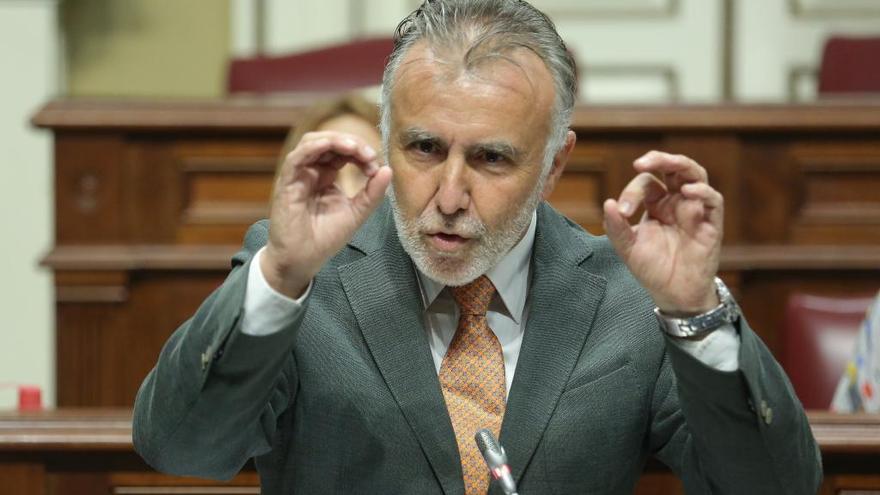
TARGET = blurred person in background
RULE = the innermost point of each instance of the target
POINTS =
(859, 388)
(350, 114)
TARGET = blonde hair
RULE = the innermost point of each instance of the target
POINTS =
(315, 116)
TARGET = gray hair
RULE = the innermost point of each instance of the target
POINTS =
(488, 28)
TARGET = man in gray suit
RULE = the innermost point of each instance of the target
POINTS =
(334, 353)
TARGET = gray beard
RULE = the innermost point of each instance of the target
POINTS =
(487, 249)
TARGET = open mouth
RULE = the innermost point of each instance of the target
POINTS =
(447, 242)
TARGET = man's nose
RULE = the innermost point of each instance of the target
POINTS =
(453, 192)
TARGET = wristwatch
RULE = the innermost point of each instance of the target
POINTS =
(726, 312)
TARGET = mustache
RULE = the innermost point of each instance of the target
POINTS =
(459, 223)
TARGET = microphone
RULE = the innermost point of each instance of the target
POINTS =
(495, 457)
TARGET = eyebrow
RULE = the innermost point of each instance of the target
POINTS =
(503, 148)
(415, 134)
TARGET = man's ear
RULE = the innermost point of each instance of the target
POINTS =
(559, 162)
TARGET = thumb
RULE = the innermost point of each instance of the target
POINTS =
(618, 229)
(371, 195)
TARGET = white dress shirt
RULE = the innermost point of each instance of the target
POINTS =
(267, 311)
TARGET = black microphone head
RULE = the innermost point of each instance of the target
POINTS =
(491, 450)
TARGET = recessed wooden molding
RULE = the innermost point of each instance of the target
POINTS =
(665, 73)
(823, 9)
(837, 189)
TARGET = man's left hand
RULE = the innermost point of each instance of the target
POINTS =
(674, 249)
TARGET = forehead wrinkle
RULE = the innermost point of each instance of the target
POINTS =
(447, 64)
(421, 62)
(433, 67)
(486, 68)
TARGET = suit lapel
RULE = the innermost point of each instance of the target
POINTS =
(563, 300)
(385, 297)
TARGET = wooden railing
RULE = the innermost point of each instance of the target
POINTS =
(90, 451)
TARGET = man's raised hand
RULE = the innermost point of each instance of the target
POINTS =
(310, 218)
(675, 248)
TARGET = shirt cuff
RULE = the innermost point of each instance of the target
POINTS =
(719, 349)
(267, 311)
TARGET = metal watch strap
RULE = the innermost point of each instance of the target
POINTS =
(726, 312)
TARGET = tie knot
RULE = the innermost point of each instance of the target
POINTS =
(474, 298)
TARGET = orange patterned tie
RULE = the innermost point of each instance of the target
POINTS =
(472, 378)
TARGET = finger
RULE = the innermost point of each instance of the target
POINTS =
(292, 165)
(704, 192)
(712, 200)
(335, 144)
(618, 228)
(371, 195)
(675, 167)
(322, 148)
(359, 149)
(690, 214)
(370, 152)
(643, 188)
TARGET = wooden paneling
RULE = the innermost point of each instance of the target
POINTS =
(105, 348)
(838, 191)
(813, 189)
(153, 197)
(88, 451)
(87, 188)
(77, 452)
(224, 186)
(23, 478)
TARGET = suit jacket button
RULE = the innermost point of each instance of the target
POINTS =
(766, 412)
(206, 358)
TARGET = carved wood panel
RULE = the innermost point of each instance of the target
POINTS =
(87, 187)
(107, 347)
(179, 184)
(838, 191)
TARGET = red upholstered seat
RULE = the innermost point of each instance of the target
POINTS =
(850, 65)
(818, 339)
(335, 68)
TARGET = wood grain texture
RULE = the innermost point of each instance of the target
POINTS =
(90, 451)
(277, 114)
(153, 197)
(162, 193)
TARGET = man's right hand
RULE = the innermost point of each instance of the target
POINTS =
(310, 218)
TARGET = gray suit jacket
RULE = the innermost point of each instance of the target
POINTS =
(347, 399)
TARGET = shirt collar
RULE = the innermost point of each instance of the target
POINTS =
(510, 276)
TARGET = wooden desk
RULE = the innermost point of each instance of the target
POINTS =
(71, 452)
(151, 199)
